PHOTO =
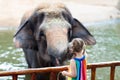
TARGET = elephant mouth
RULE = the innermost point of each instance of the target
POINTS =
(55, 61)
(58, 61)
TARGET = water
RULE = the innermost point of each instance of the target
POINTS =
(106, 33)
(107, 36)
(10, 57)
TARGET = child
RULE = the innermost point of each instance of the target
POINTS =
(77, 68)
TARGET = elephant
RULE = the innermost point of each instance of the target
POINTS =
(44, 34)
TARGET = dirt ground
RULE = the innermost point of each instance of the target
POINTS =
(11, 11)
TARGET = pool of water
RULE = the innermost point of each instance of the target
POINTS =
(10, 57)
(106, 33)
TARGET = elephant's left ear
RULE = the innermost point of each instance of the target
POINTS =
(79, 31)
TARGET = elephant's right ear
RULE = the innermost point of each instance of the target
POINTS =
(79, 31)
(24, 38)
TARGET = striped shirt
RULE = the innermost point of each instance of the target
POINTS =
(81, 69)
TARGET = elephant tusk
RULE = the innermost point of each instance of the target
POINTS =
(57, 62)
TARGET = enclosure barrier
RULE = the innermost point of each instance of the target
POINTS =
(54, 70)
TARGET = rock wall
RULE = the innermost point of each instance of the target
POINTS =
(118, 5)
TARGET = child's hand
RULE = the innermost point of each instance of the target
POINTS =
(64, 73)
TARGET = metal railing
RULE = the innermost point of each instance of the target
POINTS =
(54, 70)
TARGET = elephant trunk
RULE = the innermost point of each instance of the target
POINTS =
(57, 44)
(58, 49)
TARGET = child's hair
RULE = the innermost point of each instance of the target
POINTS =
(77, 45)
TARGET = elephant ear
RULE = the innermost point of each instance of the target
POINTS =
(24, 37)
(79, 31)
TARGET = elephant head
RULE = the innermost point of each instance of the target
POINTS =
(46, 32)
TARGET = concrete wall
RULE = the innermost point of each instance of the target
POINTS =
(100, 2)
(11, 11)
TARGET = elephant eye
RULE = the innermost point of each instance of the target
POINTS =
(42, 33)
(40, 36)
(69, 33)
